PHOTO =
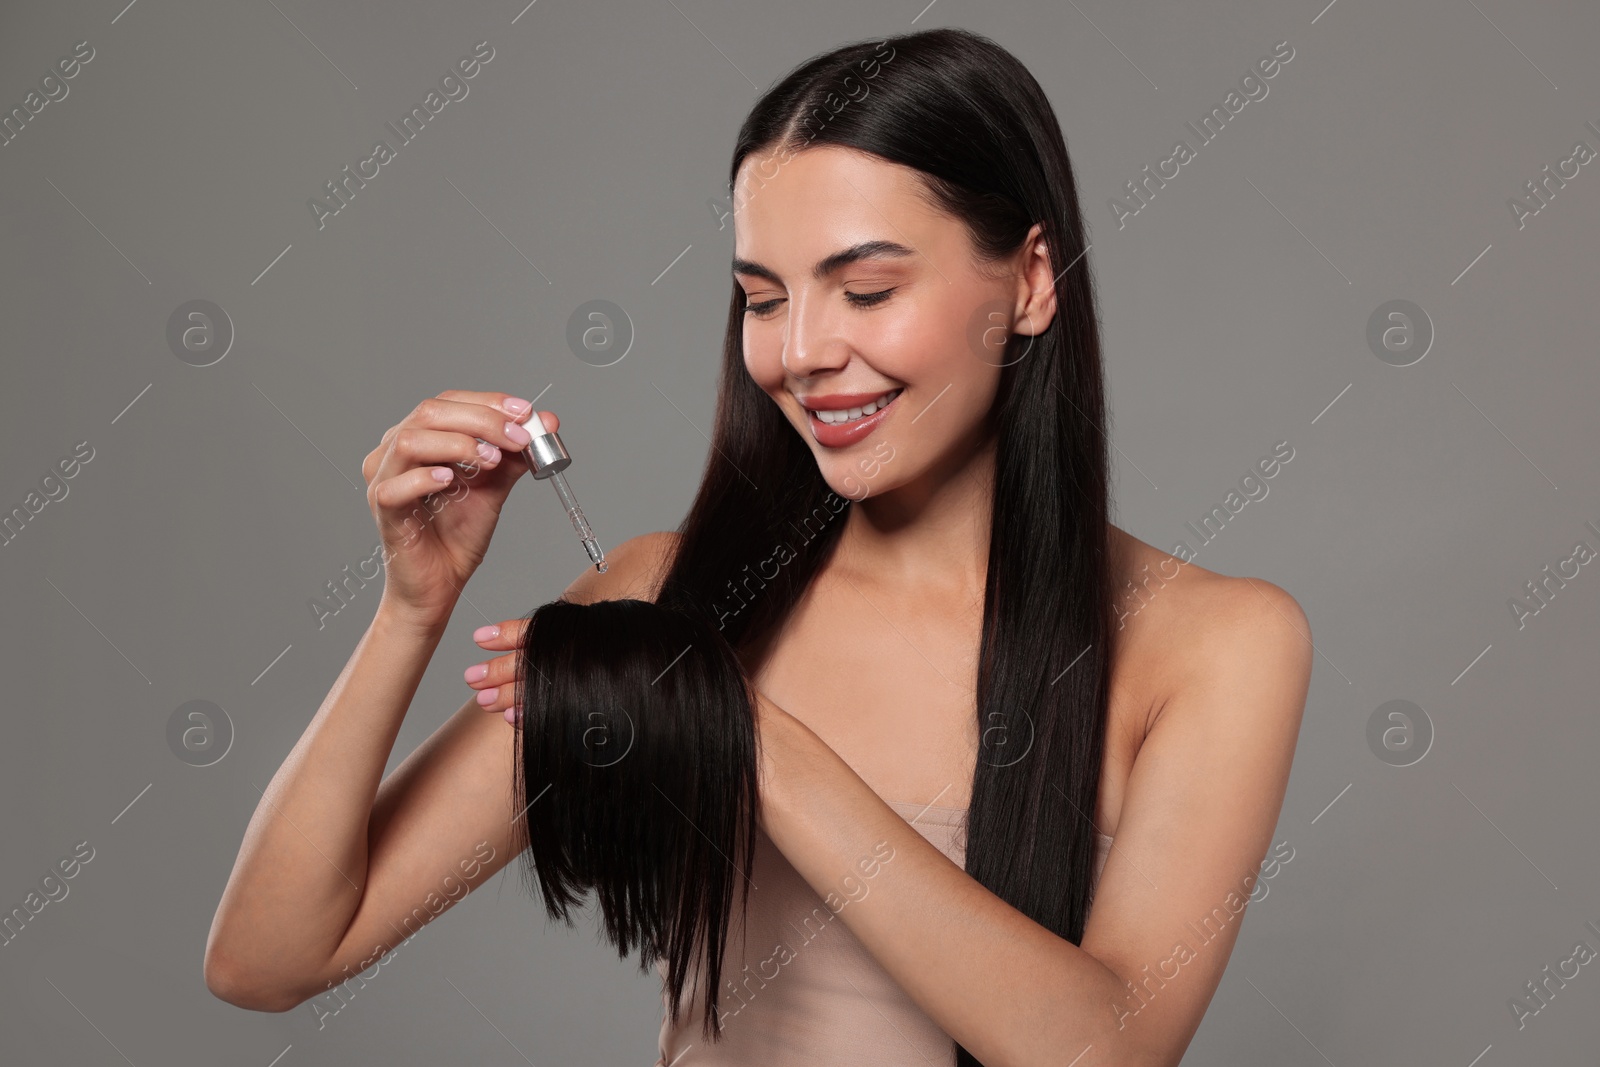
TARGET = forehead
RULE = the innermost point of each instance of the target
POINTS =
(817, 200)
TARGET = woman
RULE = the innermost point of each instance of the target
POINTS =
(947, 632)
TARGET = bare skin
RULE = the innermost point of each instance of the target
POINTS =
(867, 691)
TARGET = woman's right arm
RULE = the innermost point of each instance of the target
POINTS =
(339, 865)
(334, 864)
(330, 877)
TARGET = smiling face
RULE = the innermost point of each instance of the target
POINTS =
(858, 291)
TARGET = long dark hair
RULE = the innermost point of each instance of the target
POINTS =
(636, 778)
(969, 117)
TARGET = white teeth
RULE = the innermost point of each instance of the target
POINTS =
(833, 418)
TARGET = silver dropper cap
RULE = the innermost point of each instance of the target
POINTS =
(547, 457)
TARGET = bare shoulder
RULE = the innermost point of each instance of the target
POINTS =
(1231, 659)
(634, 570)
(1189, 630)
(1244, 621)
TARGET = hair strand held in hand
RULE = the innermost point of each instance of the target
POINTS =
(636, 776)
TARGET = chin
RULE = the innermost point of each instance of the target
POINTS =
(868, 471)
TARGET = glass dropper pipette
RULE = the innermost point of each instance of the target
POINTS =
(547, 457)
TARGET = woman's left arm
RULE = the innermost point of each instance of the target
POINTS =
(1202, 800)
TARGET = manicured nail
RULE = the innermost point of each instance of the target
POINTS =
(477, 672)
(485, 633)
(515, 405)
(518, 433)
(442, 475)
(489, 452)
(488, 696)
(513, 715)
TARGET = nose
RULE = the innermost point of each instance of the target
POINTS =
(814, 339)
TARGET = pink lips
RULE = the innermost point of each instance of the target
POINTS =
(838, 435)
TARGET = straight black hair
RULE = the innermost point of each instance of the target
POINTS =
(636, 778)
(975, 125)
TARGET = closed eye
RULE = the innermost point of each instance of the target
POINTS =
(762, 309)
(866, 300)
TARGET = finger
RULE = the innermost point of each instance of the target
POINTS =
(475, 420)
(495, 681)
(501, 670)
(497, 699)
(425, 415)
(514, 406)
(388, 435)
(469, 454)
(511, 405)
(404, 489)
(415, 446)
(502, 635)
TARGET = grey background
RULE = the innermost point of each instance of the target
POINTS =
(1419, 900)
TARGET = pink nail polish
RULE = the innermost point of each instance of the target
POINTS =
(477, 672)
(513, 715)
(488, 696)
(485, 633)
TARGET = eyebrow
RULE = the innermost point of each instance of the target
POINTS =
(828, 265)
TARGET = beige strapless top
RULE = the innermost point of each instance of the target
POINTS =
(800, 989)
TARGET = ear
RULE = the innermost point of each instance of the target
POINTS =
(1036, 289)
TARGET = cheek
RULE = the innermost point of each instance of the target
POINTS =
(956, 390)
(933, 351)
(763, 362)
